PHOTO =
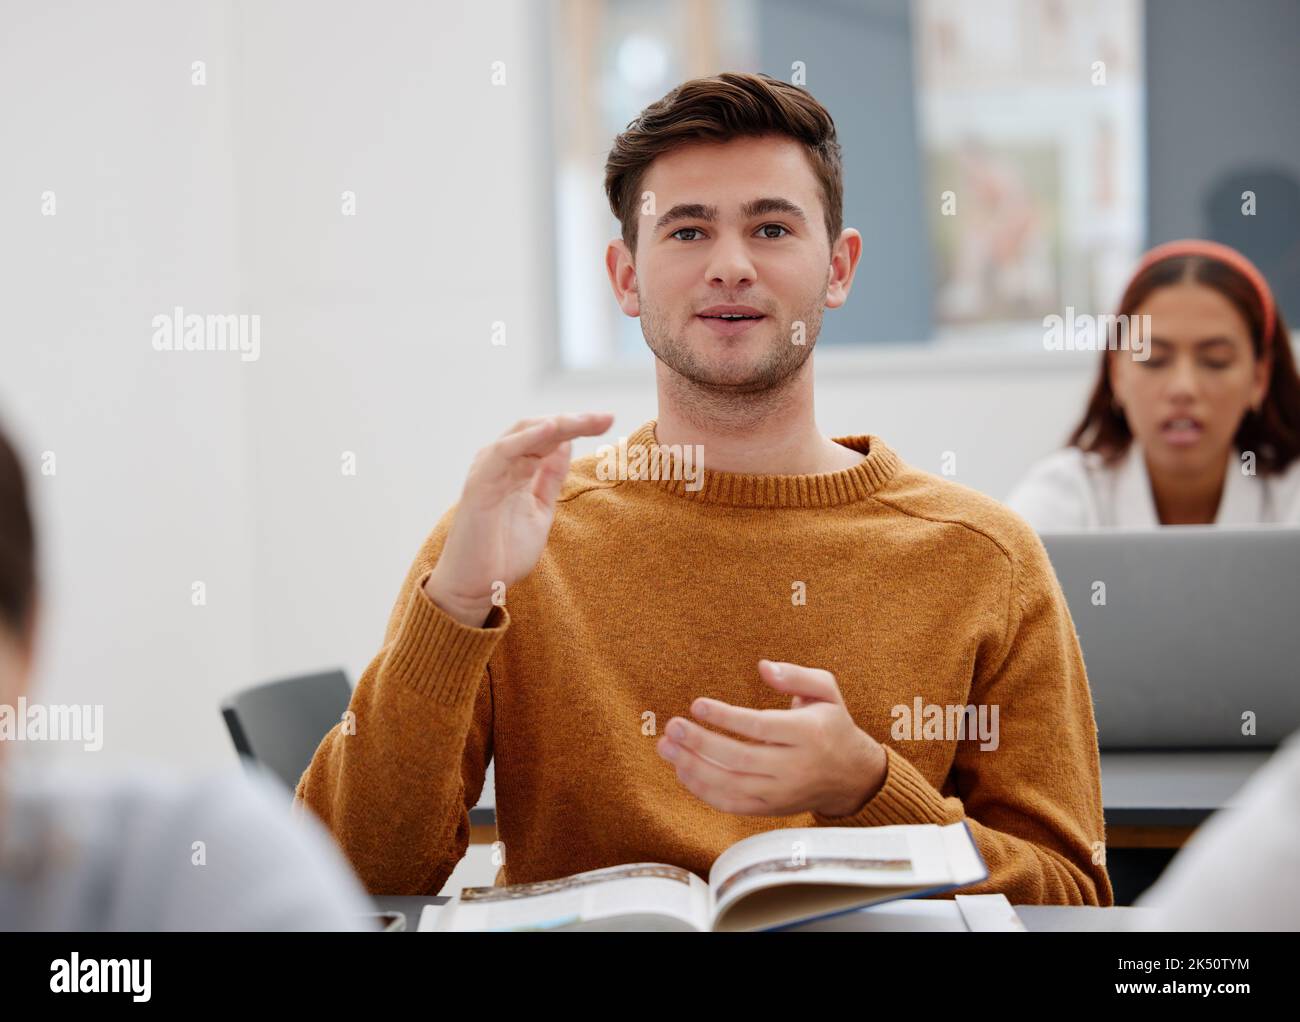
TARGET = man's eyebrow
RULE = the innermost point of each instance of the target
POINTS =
(763, 207)
(708, 214)
(687, 211)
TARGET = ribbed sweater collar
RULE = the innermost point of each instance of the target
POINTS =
(823, 489)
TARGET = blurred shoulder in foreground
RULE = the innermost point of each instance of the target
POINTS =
(1241, 869)
(141, 851)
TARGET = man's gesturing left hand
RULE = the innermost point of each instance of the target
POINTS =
(809, 758)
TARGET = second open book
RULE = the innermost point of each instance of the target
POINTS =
(768, 881)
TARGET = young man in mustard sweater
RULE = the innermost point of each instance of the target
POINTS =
(664, 657)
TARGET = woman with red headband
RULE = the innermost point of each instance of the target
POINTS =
(1198, 425)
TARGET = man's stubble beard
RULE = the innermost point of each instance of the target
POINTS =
(774, 370)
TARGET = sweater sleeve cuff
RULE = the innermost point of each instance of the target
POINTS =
(905, 797)
(437, 656)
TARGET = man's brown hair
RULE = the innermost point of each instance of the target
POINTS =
(726, 106)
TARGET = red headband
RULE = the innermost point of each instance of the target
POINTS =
(1223, 254)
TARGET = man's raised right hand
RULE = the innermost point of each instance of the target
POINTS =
(505, 512)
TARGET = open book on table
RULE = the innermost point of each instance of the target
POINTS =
(765, 882)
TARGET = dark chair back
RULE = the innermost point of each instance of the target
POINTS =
(279, 724)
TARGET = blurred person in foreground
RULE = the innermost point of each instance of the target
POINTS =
(119, 853)
(1241, 869)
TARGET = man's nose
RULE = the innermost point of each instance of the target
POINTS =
(729, 263)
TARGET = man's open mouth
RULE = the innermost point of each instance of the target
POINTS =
(729, 319)
(730, 312)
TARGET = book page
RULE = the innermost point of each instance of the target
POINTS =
(596, 899)
(904, 857)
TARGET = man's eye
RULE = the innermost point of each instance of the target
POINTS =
(779, 227)
(679, 230)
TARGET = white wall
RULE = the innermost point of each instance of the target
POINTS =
(151, 490)
(375, 333)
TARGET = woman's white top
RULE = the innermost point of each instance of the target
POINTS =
(1073, 489)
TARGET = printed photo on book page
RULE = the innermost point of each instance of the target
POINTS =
(633, 890)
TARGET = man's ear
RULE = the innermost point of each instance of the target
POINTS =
(622, 277)
(845, 255)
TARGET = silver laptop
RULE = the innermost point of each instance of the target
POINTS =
(1185, 630)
